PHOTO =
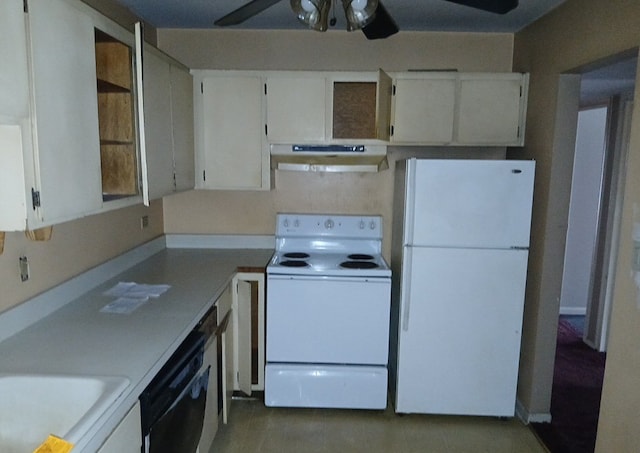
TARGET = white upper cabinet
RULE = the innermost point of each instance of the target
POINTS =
(66, 154)
(231, 149)
(332, 107)
(463, 109)
(492, 109)
(168, 120)
(296, 108)
(14, 115)
(14, 85)
(68, 104)
(424, 109)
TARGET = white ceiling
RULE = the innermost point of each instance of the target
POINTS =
(418, 15)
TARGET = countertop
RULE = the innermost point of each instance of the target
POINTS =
(79, 339)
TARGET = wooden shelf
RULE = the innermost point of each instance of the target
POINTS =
(105, 86)
(119, 169)
(116, 113)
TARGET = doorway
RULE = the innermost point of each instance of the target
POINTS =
(601, 100)
(605, 104)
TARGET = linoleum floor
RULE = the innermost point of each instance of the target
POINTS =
(253, 427)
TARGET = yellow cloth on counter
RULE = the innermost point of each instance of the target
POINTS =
(54, 444)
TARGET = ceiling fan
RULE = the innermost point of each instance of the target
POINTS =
(370, 16)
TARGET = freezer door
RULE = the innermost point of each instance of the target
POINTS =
(459, 333)
(469, 203)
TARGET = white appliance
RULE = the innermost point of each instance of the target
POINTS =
(459, 260)
(327, 310)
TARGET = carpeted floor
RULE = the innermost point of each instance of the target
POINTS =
(575, 399)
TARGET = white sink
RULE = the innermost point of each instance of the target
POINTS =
(34, 406)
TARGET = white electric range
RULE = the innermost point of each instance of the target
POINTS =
(328, 304)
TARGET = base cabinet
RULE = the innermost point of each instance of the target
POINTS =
(127, 437)
(249, 310)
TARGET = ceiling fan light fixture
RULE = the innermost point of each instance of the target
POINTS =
(359, 13)
(312, 13)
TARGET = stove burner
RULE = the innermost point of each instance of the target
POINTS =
(360, 256)
(293, 263)
(358, 265)
(296, 255)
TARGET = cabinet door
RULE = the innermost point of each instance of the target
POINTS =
(182, 123)
(14, 115)
(228, 377)
(233, 152)
(14, 87)
(424, 110)
(127, 437)
(157, 122)
(243, 335)
(383, 105)
(296, 109)
(210, 423)
(491, 109)
(66, 148)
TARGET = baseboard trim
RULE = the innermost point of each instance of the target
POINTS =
(527, 417)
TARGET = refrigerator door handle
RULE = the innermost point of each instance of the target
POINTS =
(406, 288)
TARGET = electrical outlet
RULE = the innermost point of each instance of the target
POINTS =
(144, 222)
(24, 268)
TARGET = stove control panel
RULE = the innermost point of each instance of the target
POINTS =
(344, 226)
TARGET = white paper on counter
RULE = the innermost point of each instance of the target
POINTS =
(135, 290)
(130, 296)
(123, 305)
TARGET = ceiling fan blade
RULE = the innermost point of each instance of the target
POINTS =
(245, 12)
(382, 25)
(493, 6)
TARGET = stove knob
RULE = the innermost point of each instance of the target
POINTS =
(286, 223)
(328, 224)
(296, 223)
(362, 225)
(372, 225)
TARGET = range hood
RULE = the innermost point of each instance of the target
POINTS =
(329, 158)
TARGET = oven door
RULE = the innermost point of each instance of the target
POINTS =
(328, 319)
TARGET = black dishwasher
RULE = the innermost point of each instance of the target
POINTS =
(173, 404)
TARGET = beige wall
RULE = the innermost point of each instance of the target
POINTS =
(574, 35)
(74, 248)
(254, 212)
(337, 50)
(244, 212)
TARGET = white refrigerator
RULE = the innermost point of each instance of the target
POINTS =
(459, 264)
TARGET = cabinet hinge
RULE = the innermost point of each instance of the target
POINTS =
(391, 130)
(35, 198)
(204, 175)
(175, 182)
(25, 6)
(393, 90)
(266, 131)
(202, 87)
(265, 89)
